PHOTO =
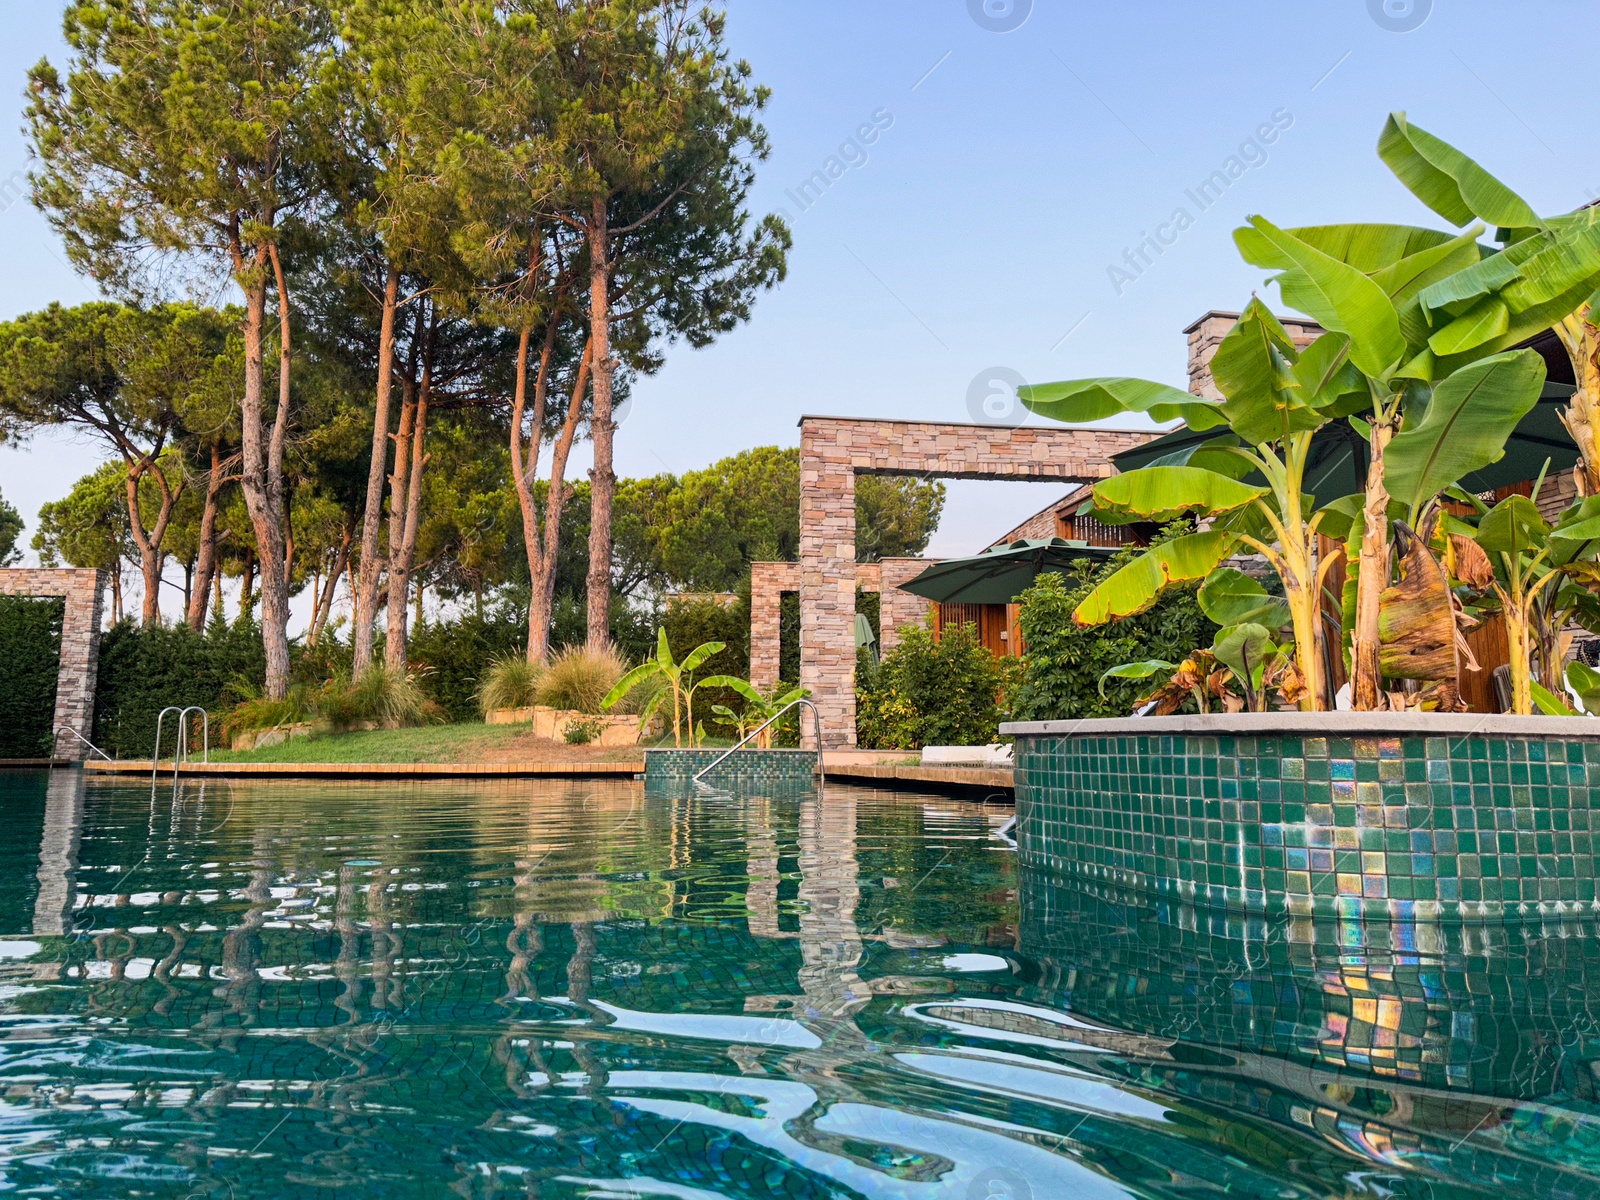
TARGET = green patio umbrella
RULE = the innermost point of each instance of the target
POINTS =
(1338, 461)
(1002, 573)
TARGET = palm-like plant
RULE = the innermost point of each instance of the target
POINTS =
(758, 711)
(1419, 324)
(680, 682)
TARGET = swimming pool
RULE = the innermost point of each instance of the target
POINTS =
(572, 989)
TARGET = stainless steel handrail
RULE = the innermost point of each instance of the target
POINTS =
(816, 729)
(60, 729)
(205, 727)
(155, 751)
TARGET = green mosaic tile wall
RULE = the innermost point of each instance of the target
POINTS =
(1395, 827)
(745, 768)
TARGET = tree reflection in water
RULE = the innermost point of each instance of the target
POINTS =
(575, 989)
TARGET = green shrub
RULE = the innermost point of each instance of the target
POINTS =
(928, 693)
(510, 682)
(582, 731)
(1063, 663)
(389, 698)
(450, 658)
(578, 678)
(143, 671)
(30, 648)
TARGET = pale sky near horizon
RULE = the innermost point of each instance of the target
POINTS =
(1016, 168)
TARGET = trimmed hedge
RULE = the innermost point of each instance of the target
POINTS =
(30, 648)
(143, 671)
(449, 658)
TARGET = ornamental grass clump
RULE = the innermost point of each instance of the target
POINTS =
(510, 682)
(391, 699)
(579, 678)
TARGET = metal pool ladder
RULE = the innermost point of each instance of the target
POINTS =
(180, 748)
(60, 729)
(816, 729)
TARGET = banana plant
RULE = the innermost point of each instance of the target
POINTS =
(680, 682)
(1545, 274)
(758, 710)
(1248, 484)
(1542, 578)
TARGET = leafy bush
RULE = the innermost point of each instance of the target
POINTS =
(582, 731)
(510, 682)
(578, 678)
(450, 658)
(928, 693)
(257, 712)
(143, 671)
(30, 647)
(1064, 662)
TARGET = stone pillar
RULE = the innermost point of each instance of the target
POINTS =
(80, 646)
(828, 591)
(768, 583)
(897, 609)
(80, 660)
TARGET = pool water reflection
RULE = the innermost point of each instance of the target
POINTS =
(562, 989)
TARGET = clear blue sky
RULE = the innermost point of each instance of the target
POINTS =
(1018, 168)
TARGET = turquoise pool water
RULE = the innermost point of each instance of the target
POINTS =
(553, 990)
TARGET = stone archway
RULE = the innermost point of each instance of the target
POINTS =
(80, 642)
(833, 451)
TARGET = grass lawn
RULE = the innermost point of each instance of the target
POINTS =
(466, 743)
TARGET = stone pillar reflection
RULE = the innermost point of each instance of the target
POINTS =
(58, 853)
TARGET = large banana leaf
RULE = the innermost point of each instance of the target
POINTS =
(1078, 400)
(1218, 454)
(1403, 280)
(1244, 649)
(1329, 381)
(1254, 370)
(1344, 300)
(1480, 324)
(1231, 597)
(1162, 494)
(1514, 526)
(1576, 536)
(1468, 420)
(1447, 181)
(1367, 248)
(1136, 586)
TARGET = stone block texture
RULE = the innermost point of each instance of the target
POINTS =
(769, 581)
(80, 645)
(833, 451)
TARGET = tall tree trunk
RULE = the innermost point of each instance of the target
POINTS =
(319, 620)
(216, 596)
(543, 595)
(247, 585)
(149, 542)
(603, 479)
(399, 479)
(407, 504)
(206, 566)
(366, 592)
(116, 592)
(523, 469)
(262, 476)
(1366, 685)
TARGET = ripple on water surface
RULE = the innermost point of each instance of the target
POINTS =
(563, 989)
